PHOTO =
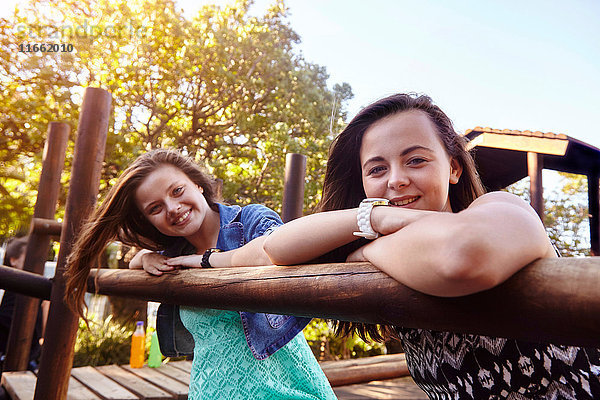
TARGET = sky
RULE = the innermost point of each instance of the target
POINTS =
(524, 65)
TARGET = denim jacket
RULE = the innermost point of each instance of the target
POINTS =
(265, 333)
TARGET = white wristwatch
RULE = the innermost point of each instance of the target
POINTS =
(363, 217)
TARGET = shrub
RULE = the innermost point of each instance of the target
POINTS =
(327, 346)
(105, 342)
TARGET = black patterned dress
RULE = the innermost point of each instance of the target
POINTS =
(461, 366)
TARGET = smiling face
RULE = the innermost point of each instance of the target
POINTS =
(172, 202)
(403, 160)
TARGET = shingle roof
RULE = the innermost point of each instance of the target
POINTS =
(548, 135)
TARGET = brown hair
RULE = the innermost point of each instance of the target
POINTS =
(14, 249)
(118, 218)
(343, 188)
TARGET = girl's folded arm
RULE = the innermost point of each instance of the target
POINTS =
(448, 254)
(306, 238)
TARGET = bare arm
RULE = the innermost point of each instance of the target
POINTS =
(151, 262)
(306, 238)
(249, 255)
(447, 254)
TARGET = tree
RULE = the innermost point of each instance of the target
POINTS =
(566, 218)
(565, 213)
(226, 87)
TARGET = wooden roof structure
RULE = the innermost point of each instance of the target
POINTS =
(505, 156)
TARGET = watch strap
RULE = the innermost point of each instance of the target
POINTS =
(205, 263)
(363, 217)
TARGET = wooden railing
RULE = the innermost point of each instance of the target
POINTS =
(25, 283)
(552, 300)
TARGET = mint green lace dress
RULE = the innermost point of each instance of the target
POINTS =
(224, 367)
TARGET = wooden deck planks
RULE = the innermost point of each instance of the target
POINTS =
(104, 387)
(20, 385)
(397, 389)
(170, 381)
(133, 383)
(78, 391)
(173, 386)
(183, 365)
(175, 373)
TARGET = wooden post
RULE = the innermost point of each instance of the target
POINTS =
(535, 304)
(26, 308)
(293, 186)
(536, 190)
(218, 188)
(61, 329)
(594, 211)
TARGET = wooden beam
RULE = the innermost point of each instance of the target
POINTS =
(557, 147)
(594, 211)
(46, 226)
(366, 369)
(536, 189)
(551, 300)
(25, 283)
(61, 330)
(26, 308)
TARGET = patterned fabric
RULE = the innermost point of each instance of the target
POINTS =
(460, 366)
(224, 367)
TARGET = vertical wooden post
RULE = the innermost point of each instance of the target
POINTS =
(218, 188)
(61, 329)
(594, 211)
(536, 191)
(293, 186)
(26, 308)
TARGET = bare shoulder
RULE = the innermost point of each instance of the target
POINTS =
(516, 212)
(504, 198)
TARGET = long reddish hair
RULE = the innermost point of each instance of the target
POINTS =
(118, 218)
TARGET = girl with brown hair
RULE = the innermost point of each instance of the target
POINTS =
(165, 203)
(400, 177)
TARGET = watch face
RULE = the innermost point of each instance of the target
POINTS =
(375, 201)
(381, 202)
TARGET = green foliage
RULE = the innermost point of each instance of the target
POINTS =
(566, 216)
(566, 213)
(226, 87)
(106, 342)
(327, 346)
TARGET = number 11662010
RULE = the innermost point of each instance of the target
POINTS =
(45, 48)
